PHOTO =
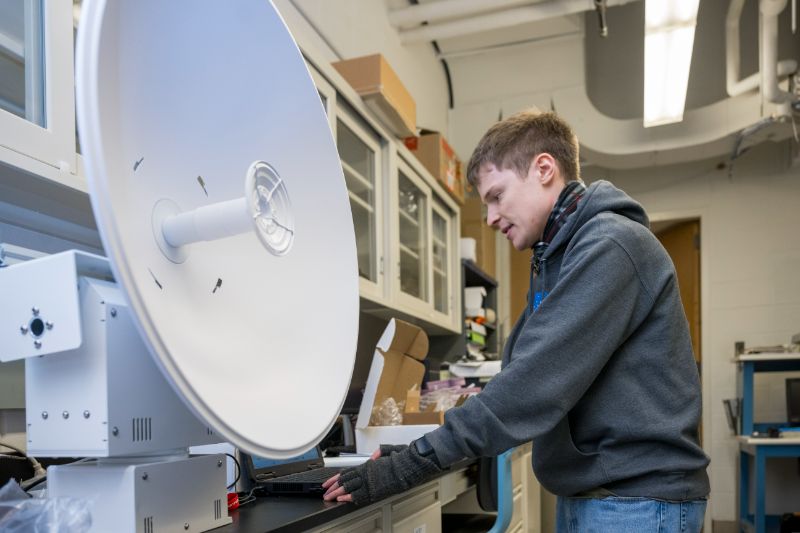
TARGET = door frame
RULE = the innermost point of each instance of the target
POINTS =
(702, 216)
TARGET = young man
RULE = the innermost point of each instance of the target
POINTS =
(598, 372)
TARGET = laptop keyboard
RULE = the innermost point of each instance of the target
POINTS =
(318, 475)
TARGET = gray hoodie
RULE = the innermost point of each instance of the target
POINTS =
(601, 376)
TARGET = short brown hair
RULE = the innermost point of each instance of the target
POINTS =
(514, 142)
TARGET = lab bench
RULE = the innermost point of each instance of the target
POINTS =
(758, 450)
(419, 509)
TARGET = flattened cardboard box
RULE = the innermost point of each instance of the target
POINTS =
(377, 83)
(396, 368)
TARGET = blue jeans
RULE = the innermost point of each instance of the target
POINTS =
(628, 515)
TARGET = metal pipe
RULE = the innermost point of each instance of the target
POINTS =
(732, 48)
(768, 51)
(501, 19)
(444, 9)
(736, 86)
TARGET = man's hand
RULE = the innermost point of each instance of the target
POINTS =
(390, 470)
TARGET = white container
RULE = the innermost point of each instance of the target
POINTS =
(473, 297)
(468, 247)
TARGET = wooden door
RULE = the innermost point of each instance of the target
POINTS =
(682, 242)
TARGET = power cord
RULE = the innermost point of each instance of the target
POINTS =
(249, 498)
(238, 470)
(37, 467)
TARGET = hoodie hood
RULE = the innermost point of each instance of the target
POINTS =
(599, 197)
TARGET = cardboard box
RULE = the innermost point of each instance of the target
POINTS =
(473, 225)
(436, 154)
(382, 91)
(396, 368)
(413, 416)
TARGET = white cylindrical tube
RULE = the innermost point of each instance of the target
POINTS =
(770, 92)
(208, 223)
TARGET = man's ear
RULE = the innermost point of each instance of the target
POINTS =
(544, 167)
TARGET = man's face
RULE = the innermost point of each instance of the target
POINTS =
(519, 206)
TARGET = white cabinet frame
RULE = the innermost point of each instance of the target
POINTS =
(373, 290)
(53, 144)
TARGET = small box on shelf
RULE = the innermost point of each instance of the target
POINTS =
(436, 155)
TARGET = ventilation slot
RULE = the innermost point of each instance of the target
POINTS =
(217, 509)
(209, 431)
(142, 429)
(148, 524)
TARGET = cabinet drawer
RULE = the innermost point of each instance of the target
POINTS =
(371, 523)
(427, 520)
(420, 512)
(451, 485)
(517, 464)
(518, 529)
(516, 517)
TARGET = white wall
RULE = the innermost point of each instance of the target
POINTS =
(484, 90)
(351, 28)
(750, 227)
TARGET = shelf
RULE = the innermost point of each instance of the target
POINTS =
(361, 203)
(452, 348)
(364, 182)
(756, 451)
(408, 251)
(474, 276)
(408, 218)
(781, 356)
(487, 326)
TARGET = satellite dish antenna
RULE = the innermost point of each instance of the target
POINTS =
(222, 206)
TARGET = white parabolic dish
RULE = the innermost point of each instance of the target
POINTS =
(176, 100)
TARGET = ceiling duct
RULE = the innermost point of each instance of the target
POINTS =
(416, 14)
(709, 131)
(497, 19)
(735, 85)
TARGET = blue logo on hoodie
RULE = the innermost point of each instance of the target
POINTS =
(538, 296)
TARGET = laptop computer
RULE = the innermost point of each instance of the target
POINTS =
(301, 475)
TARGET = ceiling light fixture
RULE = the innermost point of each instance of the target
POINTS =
(668, 43)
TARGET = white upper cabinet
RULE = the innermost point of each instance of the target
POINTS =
(37, 97)
(360, 153)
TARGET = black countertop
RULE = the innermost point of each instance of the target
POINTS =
(295, 514)
(285, 514)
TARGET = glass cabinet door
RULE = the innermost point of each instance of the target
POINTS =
(359, 162)
(441, 255)
(37, 83)
(413, 238)
(22, 60)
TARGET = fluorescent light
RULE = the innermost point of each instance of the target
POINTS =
(668, 43)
